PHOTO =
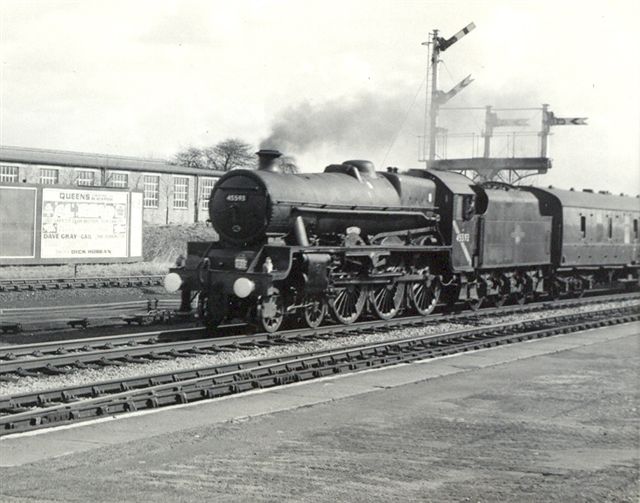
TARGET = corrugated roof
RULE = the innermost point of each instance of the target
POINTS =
(86, 160)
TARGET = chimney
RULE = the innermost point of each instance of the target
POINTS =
(266, 160)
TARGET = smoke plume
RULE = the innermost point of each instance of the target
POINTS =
(370, 124)
(365, 121)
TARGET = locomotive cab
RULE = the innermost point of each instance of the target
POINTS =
(457, 202)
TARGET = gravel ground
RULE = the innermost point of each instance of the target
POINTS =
(80, 377)
(562, 427)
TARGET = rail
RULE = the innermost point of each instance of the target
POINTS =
(32, 284)
(32, 411)
(56, 357)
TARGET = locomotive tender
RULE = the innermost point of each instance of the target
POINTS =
(352, 240)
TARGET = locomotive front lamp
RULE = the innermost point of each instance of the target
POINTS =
(172, 282)
(243, 287)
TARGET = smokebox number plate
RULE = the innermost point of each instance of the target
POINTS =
(237, 198)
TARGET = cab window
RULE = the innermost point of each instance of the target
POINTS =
(469, 207)
(465, 207)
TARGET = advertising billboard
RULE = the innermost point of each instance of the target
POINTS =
(69, 224)
(18, 207)
(82, 223)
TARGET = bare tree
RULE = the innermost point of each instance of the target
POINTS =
(229, 154)
(223, 156)
(287, 164)
(191, 157)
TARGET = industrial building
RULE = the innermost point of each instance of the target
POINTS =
(172, 194)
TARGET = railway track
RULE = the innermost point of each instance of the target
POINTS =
(32, 411)
(31, 284)
(61, 357)
(16, 319)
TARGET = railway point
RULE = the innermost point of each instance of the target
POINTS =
(551, 418)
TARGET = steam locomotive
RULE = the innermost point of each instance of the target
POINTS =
(353, 241)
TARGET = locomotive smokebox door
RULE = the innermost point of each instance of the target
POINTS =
(238, 208)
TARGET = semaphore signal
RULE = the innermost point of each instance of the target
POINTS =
(444, 97)
(487, 167)
(440, 44)
(551, 120)
(443, 44)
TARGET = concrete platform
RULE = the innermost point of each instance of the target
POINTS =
(555, 419)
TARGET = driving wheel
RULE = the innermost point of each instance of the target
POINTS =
(425, 294)
(348, 303)
(386, 300)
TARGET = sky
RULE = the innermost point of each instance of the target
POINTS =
(323, 81)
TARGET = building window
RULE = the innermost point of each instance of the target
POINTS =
(86, 177)
(180, 192)
(151, 191)
(119, 180)
(8, 173)
(48, 176)
(206, 186)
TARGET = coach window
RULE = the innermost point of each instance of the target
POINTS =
(151, 186)
(583, 226)
(180, 192)
(8, 173)
(48, 176)
(635, 229)
(610, 228)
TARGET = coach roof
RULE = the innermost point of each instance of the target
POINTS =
(581, 199)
